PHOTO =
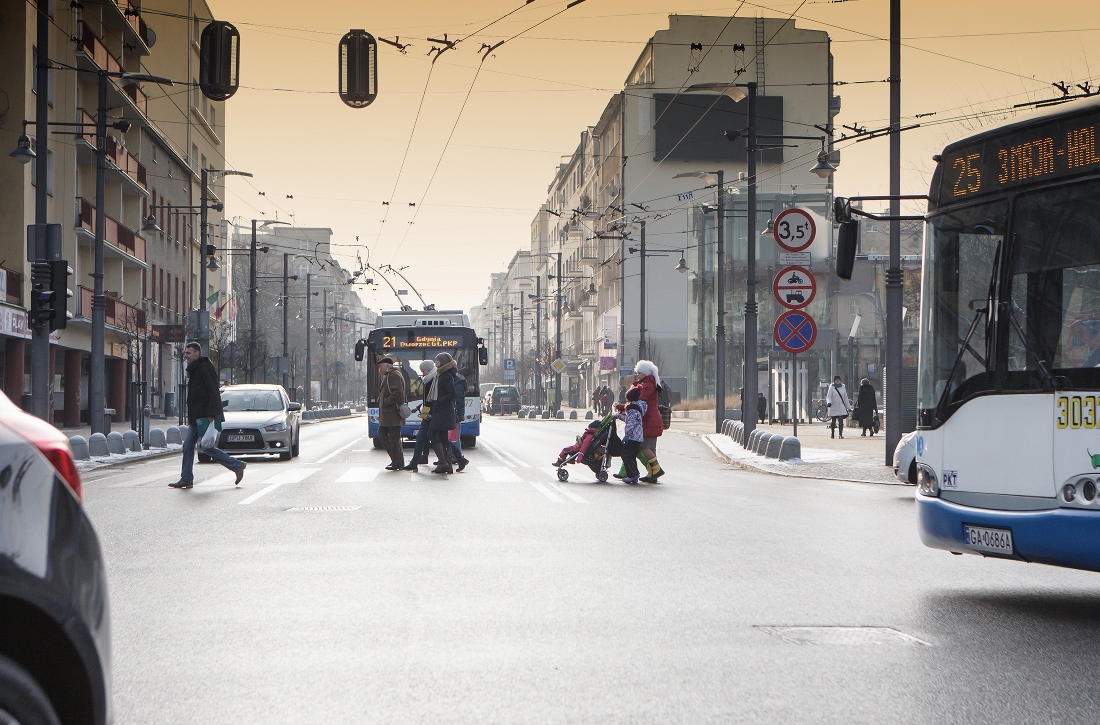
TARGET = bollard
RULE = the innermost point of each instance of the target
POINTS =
(156, 438)
(97, 445)
(572, 415)
(790, 449)
(79, 444)
(545, 415)
(761, 446)
(534, 413)
(115, 444)
(173, 435)
(751, 439)
(131, 441)
(560, 415)
(146, 415)
(589, 415)
(774, 444)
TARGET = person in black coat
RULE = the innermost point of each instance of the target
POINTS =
(204, 409)
(868, 407)
(761, 407)
(441, 397)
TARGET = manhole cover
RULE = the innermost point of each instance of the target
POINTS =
(844, 635)
(325, 508)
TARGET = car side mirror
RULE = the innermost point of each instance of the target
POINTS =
(846, 244)
(295, 406)
(483, 355)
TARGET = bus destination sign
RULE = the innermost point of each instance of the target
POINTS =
(1046, 151)
(401, 340)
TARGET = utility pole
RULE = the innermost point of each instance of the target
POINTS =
(203, 337)
(894, 273)
(642, 354)
(251, 306)
(520, 366)
(751, 378)
(720, 311)
(557, 341)
(286, 307)
(324, 344)
(538, 350)
(40, 330)
(97, 399)
(309, 347)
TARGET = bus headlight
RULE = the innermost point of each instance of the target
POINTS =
(927, 483)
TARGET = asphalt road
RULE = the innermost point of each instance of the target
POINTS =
(501, 596)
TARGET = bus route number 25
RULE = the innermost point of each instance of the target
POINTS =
(1076, 411)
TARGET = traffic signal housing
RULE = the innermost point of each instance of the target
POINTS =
(60, 271)
(219, 60)
(358, 68)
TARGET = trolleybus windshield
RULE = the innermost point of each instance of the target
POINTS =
(408, 347)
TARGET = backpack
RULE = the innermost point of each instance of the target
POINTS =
(664, 404)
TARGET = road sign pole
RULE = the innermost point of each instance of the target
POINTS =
(794, 393)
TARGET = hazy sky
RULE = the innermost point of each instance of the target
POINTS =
(531, 101)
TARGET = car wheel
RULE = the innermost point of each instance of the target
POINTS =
(296, 448)
(21, 698)
(285, 456)
(203, 458)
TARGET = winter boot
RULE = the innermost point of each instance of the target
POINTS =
(444, 465)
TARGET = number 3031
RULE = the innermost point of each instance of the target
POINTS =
(1076, 411)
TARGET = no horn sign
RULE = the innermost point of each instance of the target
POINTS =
(795, 331)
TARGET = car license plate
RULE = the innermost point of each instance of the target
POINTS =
(238, 439)
(992, 541)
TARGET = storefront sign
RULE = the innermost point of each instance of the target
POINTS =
(13, 323)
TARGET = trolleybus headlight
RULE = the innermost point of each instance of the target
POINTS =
(1088, 491)
(1069, 492)
(927, 483)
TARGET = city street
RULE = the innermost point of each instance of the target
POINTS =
(326, 589)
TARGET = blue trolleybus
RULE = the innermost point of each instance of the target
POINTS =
(411, 337)
(1008, 439)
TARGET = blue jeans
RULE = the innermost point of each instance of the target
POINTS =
(188, 473)
(423, 435)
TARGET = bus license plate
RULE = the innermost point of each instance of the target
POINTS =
(239, 439)
(993, 541)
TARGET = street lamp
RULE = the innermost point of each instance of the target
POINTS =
(537, 297)
(204, 205)
(23, 153)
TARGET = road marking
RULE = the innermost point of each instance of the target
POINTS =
(500, 453)
(338, 450)
(274, 482)
(499, 474)
(546, 492)
(567, 493)
(358, 475)
(218, 480)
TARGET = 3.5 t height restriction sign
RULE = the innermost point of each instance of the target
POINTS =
(795, 331)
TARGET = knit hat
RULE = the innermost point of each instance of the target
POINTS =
(426, 366)
(634, 394)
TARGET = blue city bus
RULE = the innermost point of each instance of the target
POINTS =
(1008, 434)
(411, 337)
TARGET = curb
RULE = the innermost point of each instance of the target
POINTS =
(738, 463)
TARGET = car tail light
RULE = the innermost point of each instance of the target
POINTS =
(49, 441)
(59, 454)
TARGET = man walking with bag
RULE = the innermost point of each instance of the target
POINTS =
(204, 408)
(391, 396)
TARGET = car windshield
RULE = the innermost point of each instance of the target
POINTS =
(506, 392)
(239, 400)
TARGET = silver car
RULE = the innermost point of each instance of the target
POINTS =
(259, 419)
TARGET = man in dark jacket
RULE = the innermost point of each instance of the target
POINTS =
(391, 394)
(460, 415)
(204, 409)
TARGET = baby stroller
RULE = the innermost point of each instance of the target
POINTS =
(596, 447)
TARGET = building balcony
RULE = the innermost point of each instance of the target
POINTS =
(123, 165)
(121, 240)
(92, 54)
(117, 314)
(138, 97)
(13, 286)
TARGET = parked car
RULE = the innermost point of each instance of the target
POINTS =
(503, 399)
(55, 655)
(905, 459)
(259, 419)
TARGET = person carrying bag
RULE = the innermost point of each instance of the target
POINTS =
(839, 406)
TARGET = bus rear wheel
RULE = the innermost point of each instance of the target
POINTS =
(377, 442)
(469, 442)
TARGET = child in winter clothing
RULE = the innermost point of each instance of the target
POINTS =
(584, 440)
(632, 414)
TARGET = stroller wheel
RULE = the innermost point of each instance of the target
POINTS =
(602, 476)
(563, 475)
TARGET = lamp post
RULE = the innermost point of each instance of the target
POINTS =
(538, 315)
(309, 347)
(557, 331)
(204, 201)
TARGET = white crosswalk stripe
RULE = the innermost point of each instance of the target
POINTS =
(359, 475)
(294, 476)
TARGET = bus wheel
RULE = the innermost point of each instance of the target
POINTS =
(377, 442)
(469, 442)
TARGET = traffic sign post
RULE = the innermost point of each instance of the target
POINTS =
(794, 287)
(794, 229)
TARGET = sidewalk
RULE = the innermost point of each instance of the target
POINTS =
(853, 458)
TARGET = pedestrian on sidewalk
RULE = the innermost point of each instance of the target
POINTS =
(391, 394)
(761, 407)
(633, 414)
(420, 450)
(441, 397)
(839, 406)
(204, 409)
(867, 407)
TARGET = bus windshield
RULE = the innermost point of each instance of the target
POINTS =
(1010, 298)
(408, 362)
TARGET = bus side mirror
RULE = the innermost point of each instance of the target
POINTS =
(846, 244)
(483, 355)
(359, 348)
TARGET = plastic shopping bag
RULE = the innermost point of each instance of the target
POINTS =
(209, 437)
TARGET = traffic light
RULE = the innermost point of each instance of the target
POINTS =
(358, 69)
(59, 288)
(219, 60)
